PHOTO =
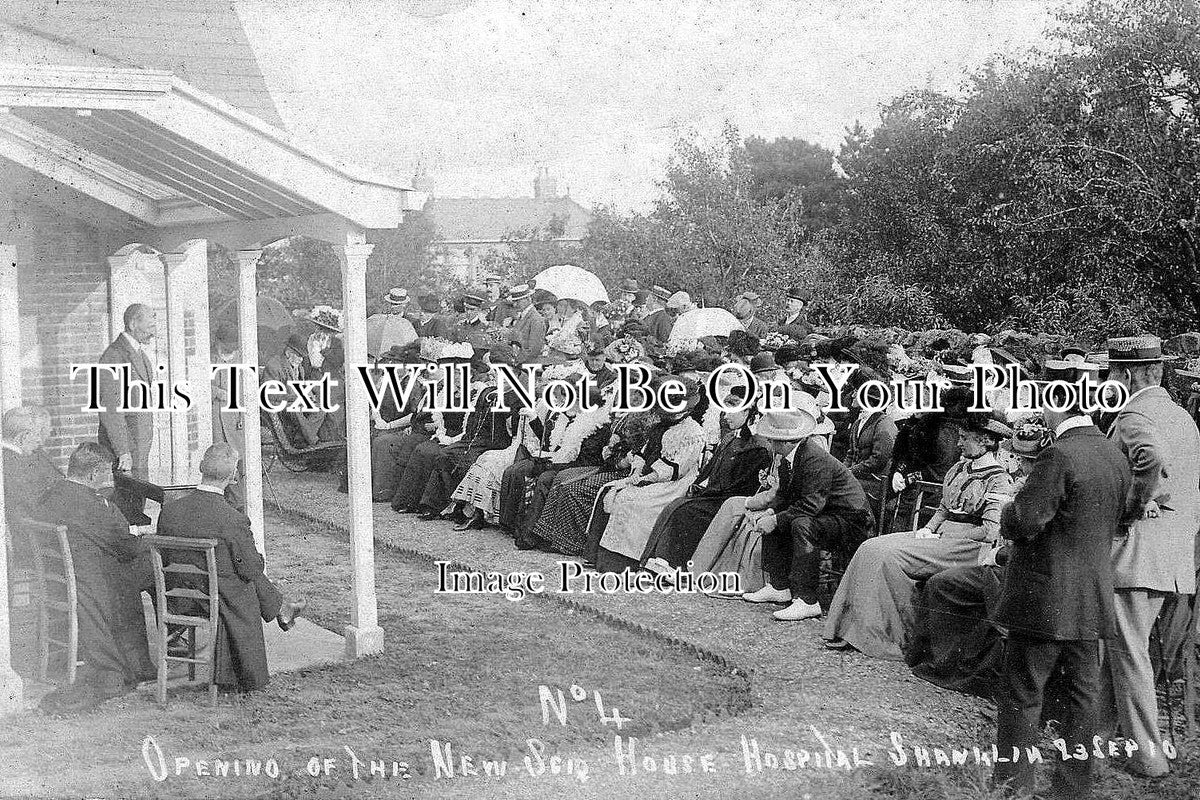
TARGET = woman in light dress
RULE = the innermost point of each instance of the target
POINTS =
(872, 609)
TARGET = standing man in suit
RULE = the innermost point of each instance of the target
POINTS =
(246, 593)
(1156, 556)
(528, 331)
(128, 434)
(1057, 601)
(819, 505)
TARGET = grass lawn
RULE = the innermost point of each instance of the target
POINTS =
(464, 670)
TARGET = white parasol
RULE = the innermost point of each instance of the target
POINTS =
(567, 281)
(704, 322)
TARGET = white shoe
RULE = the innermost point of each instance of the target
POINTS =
(798, 610)
(768, 594)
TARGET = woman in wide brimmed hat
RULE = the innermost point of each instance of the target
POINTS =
(872, 609)
(956, 646)
(663, 471)
(733, 470)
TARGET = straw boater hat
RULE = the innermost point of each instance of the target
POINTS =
(788, 425)
(661, 292)
(957, 374)
(1135, 350)
(396, 296)
(457, 352)
(520, 292)
(492, 279)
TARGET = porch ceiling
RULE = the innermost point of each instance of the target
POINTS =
(171, 155)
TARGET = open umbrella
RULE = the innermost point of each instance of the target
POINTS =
(704, 322)
(567, 281)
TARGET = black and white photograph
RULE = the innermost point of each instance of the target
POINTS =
(543, 399)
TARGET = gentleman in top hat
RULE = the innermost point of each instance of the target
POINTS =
(390, 328)
(1156, 556)
(659, 320)
(528, 332)
(128, 434)
(794, 323)
(431, 323)
(629, 287)
(818, 506)
(1056, 604)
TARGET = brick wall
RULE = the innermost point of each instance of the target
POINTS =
(63, 297)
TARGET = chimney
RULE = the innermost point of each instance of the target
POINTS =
(545, 187)
(422, 181)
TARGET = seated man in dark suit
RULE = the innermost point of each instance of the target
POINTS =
(246, 594)
(111, 570)
(818, 506)
(28, 472)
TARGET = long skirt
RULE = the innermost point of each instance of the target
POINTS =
(416, 473)
(480, 487)
(731, 544)
(679, 529)
(564, 519)
(512, 491)
(634, 512)
(448, 469)
(873, 606)
(390, 451)
(955, 646)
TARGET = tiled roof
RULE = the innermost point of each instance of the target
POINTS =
(490, 219)
(201, 41)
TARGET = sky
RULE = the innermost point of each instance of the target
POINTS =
(485, 92)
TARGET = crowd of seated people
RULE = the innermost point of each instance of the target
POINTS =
(893, 527)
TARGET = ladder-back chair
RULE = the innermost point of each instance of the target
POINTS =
(188, 604)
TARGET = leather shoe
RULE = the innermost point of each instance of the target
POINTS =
(797, 611)
(475, 523)
(768, 594)
(287, 615)
(429, 516)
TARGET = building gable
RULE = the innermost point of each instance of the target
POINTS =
(201, 41)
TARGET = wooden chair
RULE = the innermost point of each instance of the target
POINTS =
(58, 606)
(925, 504)
(178, 604)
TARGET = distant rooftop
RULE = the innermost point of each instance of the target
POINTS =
(201, 41)
(490, 219)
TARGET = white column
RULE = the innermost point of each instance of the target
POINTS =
(11, 689)
(248, 336)
(10, 333)
(363, 634)
(187, 296)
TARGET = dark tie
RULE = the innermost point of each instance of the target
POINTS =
(785, 473)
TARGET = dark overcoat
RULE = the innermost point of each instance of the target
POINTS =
(1059, 582)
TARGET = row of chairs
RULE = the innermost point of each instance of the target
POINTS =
(187, 602)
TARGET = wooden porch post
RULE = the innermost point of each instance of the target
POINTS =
(10, 334)
(363, 634)
(252, 479)
(187, 303)
(11, 688)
